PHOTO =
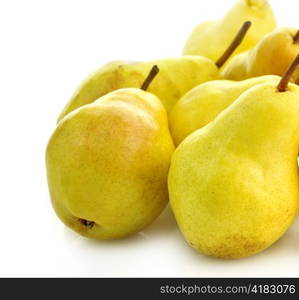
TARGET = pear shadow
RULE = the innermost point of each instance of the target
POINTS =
(164, 225)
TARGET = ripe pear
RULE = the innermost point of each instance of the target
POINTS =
(176, 77)
(107, 164)
(271, 56)
(233, 184)
(210, 38)
(204, 103)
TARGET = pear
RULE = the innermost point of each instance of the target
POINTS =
(177, 76)
(204, 103)
(210, 38)
(271, 56)
(107, 164)
(233, 184)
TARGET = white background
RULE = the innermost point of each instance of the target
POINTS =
(46, 49)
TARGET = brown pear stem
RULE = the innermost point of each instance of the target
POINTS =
(296, 37)
(150, 77)
(283, 84)
(234, 44)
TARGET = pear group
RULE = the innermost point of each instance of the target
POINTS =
(214, 132)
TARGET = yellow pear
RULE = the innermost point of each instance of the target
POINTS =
(204, 103)
(211, 38)
(107, 164)
(177, 76)
(233, 184)
(271, 56)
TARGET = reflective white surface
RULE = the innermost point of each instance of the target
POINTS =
(47, 48)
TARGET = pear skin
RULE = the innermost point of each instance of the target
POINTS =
(204, 103)
(233, 184)
(107, 164)
(271, 56)
(177, 76)
(210, 38)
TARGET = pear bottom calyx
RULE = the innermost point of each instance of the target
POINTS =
(87, 223)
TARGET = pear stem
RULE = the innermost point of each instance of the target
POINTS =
(150, 77)
(234, 44)
(283, 84)
(296, 37)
